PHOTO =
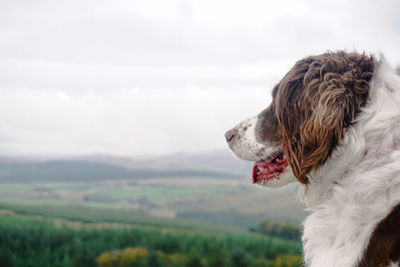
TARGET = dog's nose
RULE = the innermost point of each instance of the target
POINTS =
(230, 135)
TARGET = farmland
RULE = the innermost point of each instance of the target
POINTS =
(210, 211)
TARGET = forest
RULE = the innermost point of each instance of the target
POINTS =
(32, 242)
(78, 213)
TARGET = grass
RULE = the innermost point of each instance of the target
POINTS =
(201, 199)
(92, 218)
(92, 215)
(115, 191)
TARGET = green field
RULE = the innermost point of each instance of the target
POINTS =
(228, 201)
(143, 218)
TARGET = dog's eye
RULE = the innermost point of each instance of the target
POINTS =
(267, 126)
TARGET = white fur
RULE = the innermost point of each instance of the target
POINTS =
(247, 148)
(352, 191)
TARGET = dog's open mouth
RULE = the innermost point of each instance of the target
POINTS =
(269, 168)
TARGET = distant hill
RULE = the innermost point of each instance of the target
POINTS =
(103, 167)
(75, 171)
(213, 187)
(220, 160)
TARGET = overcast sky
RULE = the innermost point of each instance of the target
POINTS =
(157, 77)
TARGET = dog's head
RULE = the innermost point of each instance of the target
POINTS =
(311, 108)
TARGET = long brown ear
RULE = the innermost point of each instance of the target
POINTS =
(316, 101)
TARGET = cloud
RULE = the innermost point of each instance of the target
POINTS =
(142, 77)
(125, 122)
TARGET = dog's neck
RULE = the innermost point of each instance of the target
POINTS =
(359, 184)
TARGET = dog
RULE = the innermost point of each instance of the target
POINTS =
(333, 126)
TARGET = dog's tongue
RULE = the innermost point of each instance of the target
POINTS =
(266, 170)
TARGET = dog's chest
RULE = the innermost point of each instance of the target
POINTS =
(337, 233)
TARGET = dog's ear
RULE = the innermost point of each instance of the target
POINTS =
(317, 100)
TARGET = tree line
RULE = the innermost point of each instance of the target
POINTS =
(278, 229)
(34, 243)
(142, 257)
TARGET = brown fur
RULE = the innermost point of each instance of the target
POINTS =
(384, 245)
(313, 104)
